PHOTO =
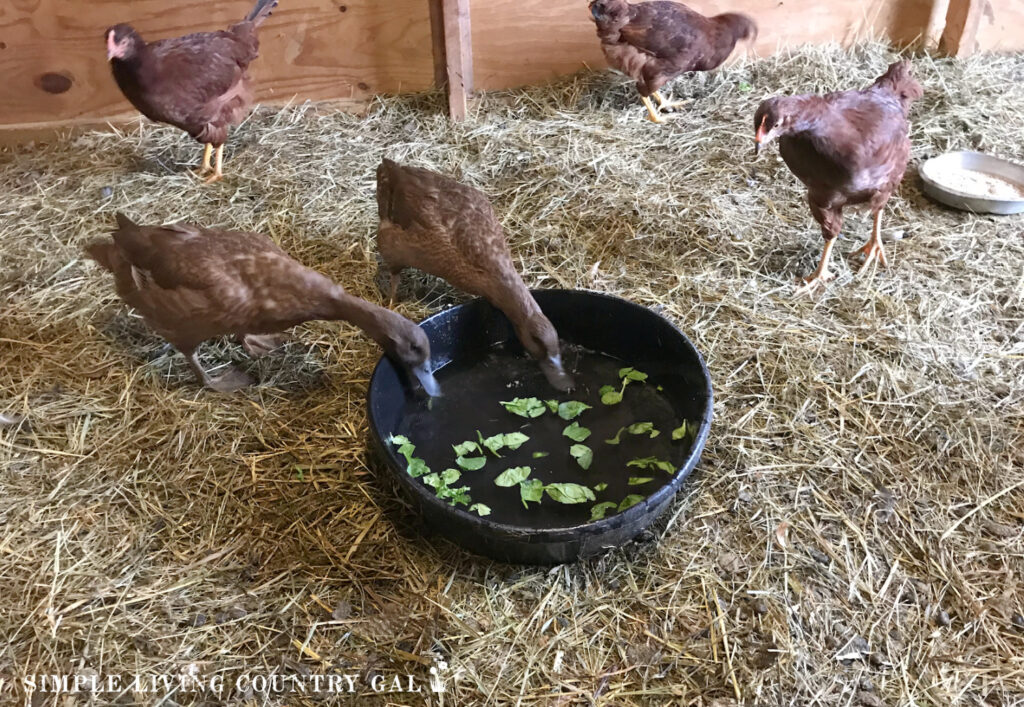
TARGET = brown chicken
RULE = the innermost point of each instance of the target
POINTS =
(447, 229)
(198, 82)
(848, 147)
(653, 42)
(191, 284)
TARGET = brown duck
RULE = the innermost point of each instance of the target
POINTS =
(191, 284)
(447, 229)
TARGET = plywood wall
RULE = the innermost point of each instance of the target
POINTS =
(53, 61)
(53, 58)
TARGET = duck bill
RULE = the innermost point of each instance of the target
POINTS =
(427, 380)
(759, 138)
(555, 373)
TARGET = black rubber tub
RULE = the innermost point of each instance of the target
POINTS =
(479, 362)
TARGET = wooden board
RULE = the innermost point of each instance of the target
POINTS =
(1002, 26)
(530, 41)
(312, 49)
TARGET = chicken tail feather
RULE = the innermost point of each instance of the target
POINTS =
(261, 11)
(738, 25)
(899, 80)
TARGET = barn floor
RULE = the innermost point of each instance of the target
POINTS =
(853, 534)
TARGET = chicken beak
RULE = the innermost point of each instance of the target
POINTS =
(427, 380)
(111, 47)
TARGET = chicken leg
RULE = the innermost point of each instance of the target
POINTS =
(393, 296)
(206, 166)
(261, 345)
(228, 382)
(218, 173)
(821, 276)
(873, 248)
(652, 114)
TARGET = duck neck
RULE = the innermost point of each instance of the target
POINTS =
(373, 319)
(515, 300)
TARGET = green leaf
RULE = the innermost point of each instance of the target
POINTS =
(610, 396)
(600, 487)
(552, 405)
(466, 448)
(539, 455)
(399, 440)
(583, 455)
(450, 476)
(417, 467)
(745, 87)
(515, 440)
(513, 476)
(471, 463)
(456, 497)
(617, 438)
(632, 374)
(599, 511)
(494, 444)
(576, 433)
(679, 432)
(433, 480)
(629, 501)
(480, 509)
(406, 450)
(639, 428)
(640, 480)
(525, 407)
(653, 463)
(569, 493)
(572, 409)
(531, 490)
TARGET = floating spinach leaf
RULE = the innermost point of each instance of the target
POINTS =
(455, 497)
(679, 432)
(494, 444)
(450, 476)
(417, 467)
(471, 463)
(653, 463)
(525, 407)
(515, 440)
(571, 410)
(583, 455)
(639, 428)
(466, 448)
(617, 438)
(632, 374)
(531, 490)
(513, 476)
(640, 480)
(552, 405)
(399, 440)
(480, 509)
(629, 501)
(600, 487)
(576, 433)
(599, 511)
(540, 455)
(433, 480)
(610, 396)
(569, 493)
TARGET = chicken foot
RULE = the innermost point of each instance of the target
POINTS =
(261, 345)
(822, 275)
(873, 250)
(652, 114)
(227, 382)
(663, 104)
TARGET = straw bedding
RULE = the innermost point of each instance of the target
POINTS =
(853, 534)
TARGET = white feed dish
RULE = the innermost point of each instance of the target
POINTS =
(974, 181)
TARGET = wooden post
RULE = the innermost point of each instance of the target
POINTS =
(961, 34)
(453, 52)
